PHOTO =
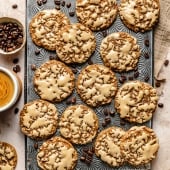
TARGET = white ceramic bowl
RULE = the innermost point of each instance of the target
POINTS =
(17, 88)
(13, 20)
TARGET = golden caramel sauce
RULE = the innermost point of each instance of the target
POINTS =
(6, 89)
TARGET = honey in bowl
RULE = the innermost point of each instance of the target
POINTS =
(6, 89)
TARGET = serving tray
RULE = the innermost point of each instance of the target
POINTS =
(144, 72)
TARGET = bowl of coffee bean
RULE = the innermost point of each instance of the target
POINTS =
(12, 36)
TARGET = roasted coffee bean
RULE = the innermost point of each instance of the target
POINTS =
(122, 79)
(136, 74)
(68, 101)
(161, 105)
(112, 113)
(33, 67)
(74, 70)
(107, 120)
(90, 153)
(104, 123)
(122, 122)
(57, 2)
(39, 2)
(146, 55)
(57, 7)
(16, 110)
(36, 145)
(44, 1)
(15, 60)
(106, 112)
(73, 100)
(166, 62)
(14, 6)
(90, 62)
(82, 158)
(146, 78)
(63, 3)
(85, 150)
(104, 33)
(88, 161)
(130, 78)
(71, 14)
(51, 57)
(17, 68)
(157, 84)
(37, 51)
(68, 5)
(146, 42)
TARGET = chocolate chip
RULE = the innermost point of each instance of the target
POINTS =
(17, 68)
(112, 113)
(130, 78)
(136, 74)
(122, 79)
(39, 2)
(88, 161)
(82, 158)
(90, 153)
(16, 110)
(146, 55)
(36, 145)
(107, 120)
(68, 5)
(146, 79)
(71, 14)
(106, 112)
(14, 6)
(68, 101)
(157, 84)
(90, 62)
(161, 105)
(122, 122)
(74, 70)
(85, 150)
(104, 123)
(33, 67)
(57, 2)
(63, 3)
(37, 51)
(57, 7)
(104, 33)
(166, 62)
(146, 42)
(73, 100)
(15, 60)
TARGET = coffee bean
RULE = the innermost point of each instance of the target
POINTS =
(90, 153)
(68, 5)
(16, 110)
(44, 1)
(161, 105)
(104, 33)
(136, 74)
(130, 78)
(166, 62)
(14, 6)
(15, 60)
(72, 14)
(106, 112)
(122, 79)
(107, 120)
(146, 55)
(33, 67)
(51, 57)
(16, 69)
(85, 150)
(74, 70)
(146, 42)
(82, 158)
(146, 79)
(122, 122)
(68, 101)
(104, 123)
(63, 3)
(88, 161)
(37, 51)
(112, 113)
(57, 2)
(73, 100)
(57, 7)
(39, 2)
(36, 145)
(157, 84)
(90, 62)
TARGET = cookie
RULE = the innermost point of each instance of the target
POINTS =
(56, 153)
(107, 146)
(139, 145)
(120, 51)
(139, 15)
(39, 119)
(76, 44)
(136, 101)
(8, 156)
(45, 27)
(53, 81)
(96, 14)
(96, 85)
(78, 124)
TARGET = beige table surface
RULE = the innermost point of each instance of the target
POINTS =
(9, 127)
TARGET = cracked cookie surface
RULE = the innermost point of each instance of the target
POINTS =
(78, 124)
(96, 85)
(136, 101)
(120, 51)
(53, 81)
(39, 119)
(45, 27)
(57, 153)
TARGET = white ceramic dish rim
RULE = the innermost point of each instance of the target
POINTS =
(16, 88)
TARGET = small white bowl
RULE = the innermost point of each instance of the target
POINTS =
(17, 88)
(13, 20)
